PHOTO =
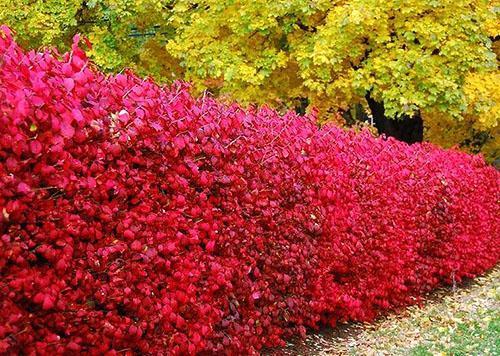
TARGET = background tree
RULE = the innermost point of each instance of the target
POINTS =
(123, 33)
(402, 61)
(478, 128)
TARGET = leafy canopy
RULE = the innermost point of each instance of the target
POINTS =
(124, 33)
(409, 55)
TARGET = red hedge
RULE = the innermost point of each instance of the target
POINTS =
(135, 218)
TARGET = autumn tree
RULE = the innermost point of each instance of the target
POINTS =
(404, 59)
(123, 33)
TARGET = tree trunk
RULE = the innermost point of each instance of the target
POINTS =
(355, 114)
(301, 106)
(409, 129)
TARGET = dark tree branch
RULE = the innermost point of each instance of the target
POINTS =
(305, 27)
(409, 129)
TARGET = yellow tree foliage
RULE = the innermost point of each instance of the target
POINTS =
(436, 58)
(478, 128)
(123, 33)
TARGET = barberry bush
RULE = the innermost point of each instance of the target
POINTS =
(135, 218)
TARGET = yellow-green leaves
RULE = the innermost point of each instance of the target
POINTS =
(120, 30)
(244, 43)
(483, 98)
(411, 55)
(47, 22)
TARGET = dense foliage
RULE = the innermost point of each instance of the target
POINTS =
(135, 218)
(123, 33)
(418, 55)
